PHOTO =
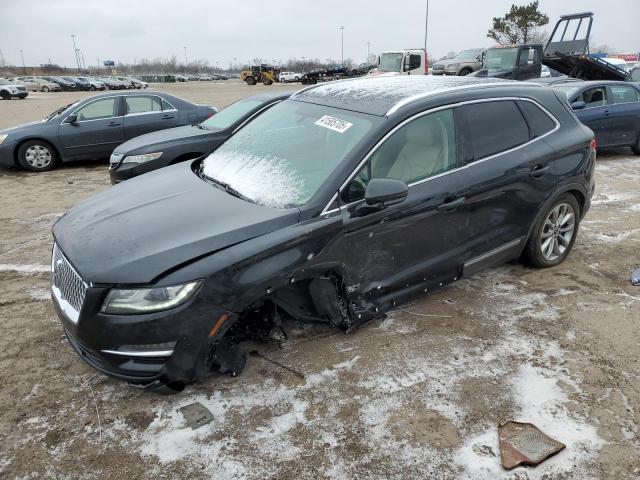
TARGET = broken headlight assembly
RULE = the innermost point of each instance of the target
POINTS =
(126, 301)
(141, 158)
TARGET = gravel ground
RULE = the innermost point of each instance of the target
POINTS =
(417, 394)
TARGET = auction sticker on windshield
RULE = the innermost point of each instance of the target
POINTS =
(333, 123)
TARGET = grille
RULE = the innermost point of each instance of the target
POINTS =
(22, 89)
(67, 281)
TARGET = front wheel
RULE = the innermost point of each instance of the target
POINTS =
(266, 81)
(464, 72)
(45, 89)
(92, 88)
(555, 233)
(37, 156)
(250, 80)
(5, 95)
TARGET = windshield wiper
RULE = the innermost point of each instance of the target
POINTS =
(58, 111)
(222, 185)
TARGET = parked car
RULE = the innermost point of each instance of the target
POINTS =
(30, 86)
(123, 83)
(66, 85)
(111, 84)
(166, 147)
(610, 108)
(86, 83)
(289, 76)
(137, 83)
(91, 128)
(464, 63)
(40, 83)
(181, 78)
(9, 90)
(220, 76)
(333, 206)
(205, 77)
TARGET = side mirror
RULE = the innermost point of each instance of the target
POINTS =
(579, 105)
(384, 192)
(73, 118)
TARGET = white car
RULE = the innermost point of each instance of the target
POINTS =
(289, 76)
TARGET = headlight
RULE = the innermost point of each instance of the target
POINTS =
(146, 300)
(142, 158)
(3, 137)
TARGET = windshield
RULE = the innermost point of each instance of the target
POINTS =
(500, 58)
(467, 55)
(4, 82)
(230, 115)
(281, 158)
(390, 62)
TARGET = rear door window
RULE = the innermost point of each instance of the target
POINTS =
(624, 94)
(495, 127)
(142, 104)
(539, 122)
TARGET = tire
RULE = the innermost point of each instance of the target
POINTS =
(5, 95)
(45, 89)
(554, 234)
(314, 81)
(267, 81)
(464, 72)
(636, 148)
(37, 156)
(250, 80)
(92, 88)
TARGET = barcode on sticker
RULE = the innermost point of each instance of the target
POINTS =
(333, 123)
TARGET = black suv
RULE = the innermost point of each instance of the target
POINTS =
(332, 206)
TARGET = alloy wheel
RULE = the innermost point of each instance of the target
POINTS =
(557, 232)
(38, 156)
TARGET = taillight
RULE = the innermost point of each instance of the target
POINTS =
(593, 145)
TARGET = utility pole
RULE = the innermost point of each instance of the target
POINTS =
(75, 50)
(368, 51)
(1, 58)
(24, 68)
(426, 30)
(342, 48)
(185, 59)
(84, 65)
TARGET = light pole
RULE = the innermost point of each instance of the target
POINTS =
(342, 44)
(368, 51)
(426, 28)
(24, 68)
(1, 58)
(185, 59)
(75, 50)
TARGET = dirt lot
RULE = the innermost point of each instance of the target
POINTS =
(417, 394)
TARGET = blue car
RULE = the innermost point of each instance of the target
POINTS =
(611, 109)
(91, 128)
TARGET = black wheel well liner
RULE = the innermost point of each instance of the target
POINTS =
(25, 140)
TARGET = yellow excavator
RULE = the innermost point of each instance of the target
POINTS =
(259, 73)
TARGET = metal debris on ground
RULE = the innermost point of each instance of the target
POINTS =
(196, 415)
(256, 353)
(635, 277)
(525, 444)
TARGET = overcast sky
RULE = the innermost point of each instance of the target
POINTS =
(125, 30)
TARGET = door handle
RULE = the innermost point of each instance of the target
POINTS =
(450, 205)
(538, 171)
(113, 124)
(607, 113)
(167, 117)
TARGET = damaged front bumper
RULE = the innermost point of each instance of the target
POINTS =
(170, 348)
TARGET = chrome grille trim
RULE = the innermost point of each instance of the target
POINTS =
(67, 285)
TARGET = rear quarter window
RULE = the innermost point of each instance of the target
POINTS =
(539, 122)
(495, 127)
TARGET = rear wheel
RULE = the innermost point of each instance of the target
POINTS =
(464, 72)
(250, 80)
(92, 88)
(45, 89)
(555, 233)
(37, 156)
(5, 95)
(636, 147)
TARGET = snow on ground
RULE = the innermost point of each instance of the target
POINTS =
(9, 267)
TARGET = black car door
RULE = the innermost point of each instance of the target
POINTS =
(417, 243)
(508, 176)
(624, 115)
(596, 113)
(147, 113)
(98, 129)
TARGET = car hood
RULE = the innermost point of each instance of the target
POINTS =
(138, 230)
(161, 136)
(24, 127)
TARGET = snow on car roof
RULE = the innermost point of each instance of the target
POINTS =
(382, 95)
